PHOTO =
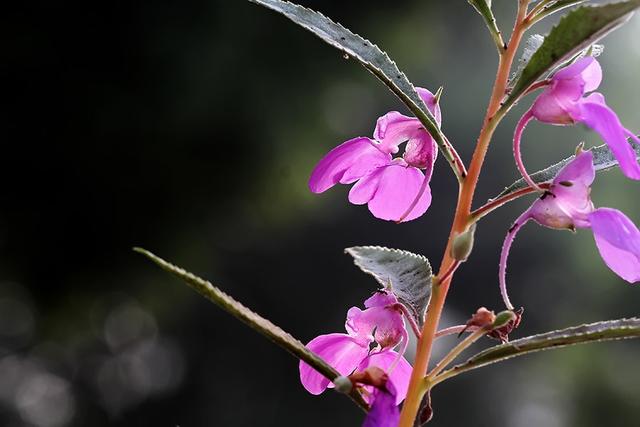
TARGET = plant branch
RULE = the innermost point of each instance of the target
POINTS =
(494, 204)
(455, 352)
(594, 332)
(458, 329)
(487, 15)
(463, 209)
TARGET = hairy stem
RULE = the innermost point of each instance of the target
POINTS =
(458, 329)
(463, 210)
(506, 247)
(517, 153)
(494, 204)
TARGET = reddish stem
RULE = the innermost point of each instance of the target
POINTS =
(537, 85)
(497, 202)
(452, 269)
(417, 385)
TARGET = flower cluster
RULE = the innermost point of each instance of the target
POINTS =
(567, 205)
(371, 335)
(396, 187)
(563, 102)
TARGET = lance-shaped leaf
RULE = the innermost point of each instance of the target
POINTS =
(557, 6)
(254, 320)
(602, 160)
(594, 332)
(484, 9)
(405, 274)
(576, 31)
(371, 57)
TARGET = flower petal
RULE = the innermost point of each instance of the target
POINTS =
(398, 187)
(618, 240)
(579, 171)
(431, 102)
(366, 187)
(569, 203)
(394, 128)
(604, 121)
(399, 375)
(384, 324)
(555, 104)
(380, 299)
(340, 351)
(421, 152)
(384, 411)
(347, 163)
(586, 69)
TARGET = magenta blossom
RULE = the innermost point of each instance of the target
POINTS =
(395, 189)
(567, 205)
(563, 102)
(380, 323)
(384, 410)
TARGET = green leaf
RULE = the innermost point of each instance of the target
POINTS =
(575, 32)
(594, 332)
(405, 274)
(370, 56)
(602, 160)
(557, 6)
(483, 7)
(255, 321)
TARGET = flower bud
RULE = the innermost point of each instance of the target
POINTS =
(463, 244)
(482, 318)
(503, 318)
(505, 323)
(343, 384)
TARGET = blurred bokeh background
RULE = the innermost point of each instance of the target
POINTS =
(190, 129)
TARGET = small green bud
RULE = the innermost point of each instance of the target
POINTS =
(343, 384)
(503, 318)
(463, 244)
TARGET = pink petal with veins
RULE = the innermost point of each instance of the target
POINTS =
(347, 163)
(340, 351)
(618, 240)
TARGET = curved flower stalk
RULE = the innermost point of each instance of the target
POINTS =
(380, 324)
(563, 102)
(395, 189)
(567, 205)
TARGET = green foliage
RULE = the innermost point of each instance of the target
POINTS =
(484, 9)
(594, 332)
(405, 274)
(367, 54)
(576, 31)
(557, 6)
(252, 319)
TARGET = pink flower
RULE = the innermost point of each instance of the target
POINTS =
(563, 102)
(380, 323)
(567, 205)
(395, 189)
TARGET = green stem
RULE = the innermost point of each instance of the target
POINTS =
(455, 352)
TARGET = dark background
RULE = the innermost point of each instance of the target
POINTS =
(190, 129)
